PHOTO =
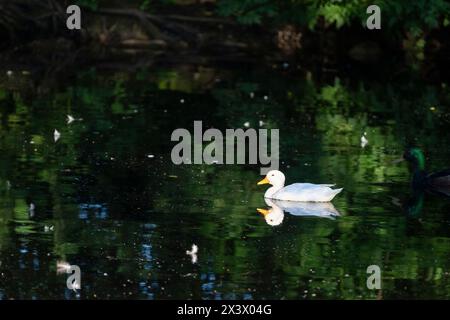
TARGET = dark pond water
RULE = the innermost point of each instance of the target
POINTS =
(107, 197)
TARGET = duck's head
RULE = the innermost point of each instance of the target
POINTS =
(415, 157)
(275, 178)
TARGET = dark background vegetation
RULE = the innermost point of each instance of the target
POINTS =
(332, 29)
(140, 69)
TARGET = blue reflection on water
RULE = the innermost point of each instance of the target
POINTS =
(209, 283)
(100, 211)
(146, 290)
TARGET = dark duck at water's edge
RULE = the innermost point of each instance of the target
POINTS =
(437, 182)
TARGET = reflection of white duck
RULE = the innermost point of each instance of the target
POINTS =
(308, 209)
(304, 192)
(275, 215)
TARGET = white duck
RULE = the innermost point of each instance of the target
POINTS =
(304, 192)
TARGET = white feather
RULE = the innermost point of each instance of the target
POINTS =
(56, 135)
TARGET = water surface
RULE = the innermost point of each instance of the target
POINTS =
(107, 197)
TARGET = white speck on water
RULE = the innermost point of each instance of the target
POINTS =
(261, 123)
(193, 250)
(56, 135)
(70, 119)
(266, 98)
(364, 140)
(9, 73)
(252, 95)
(193, 253)
(62, 267)
(181, 100)
(150, 156)
(31, 209)
(247, 124)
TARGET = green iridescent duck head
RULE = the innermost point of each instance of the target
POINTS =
(416, 158)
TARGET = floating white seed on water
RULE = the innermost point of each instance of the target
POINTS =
(62, 267)
(364, 140)
(193, 250)
(193, 253)
(56, 135)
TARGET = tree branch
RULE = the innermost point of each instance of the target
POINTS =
(144, 18)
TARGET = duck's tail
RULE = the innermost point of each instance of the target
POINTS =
(334, 192)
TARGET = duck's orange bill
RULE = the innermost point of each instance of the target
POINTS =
(264, 212)
(264, 181)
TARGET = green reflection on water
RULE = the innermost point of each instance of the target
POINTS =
(126, 215)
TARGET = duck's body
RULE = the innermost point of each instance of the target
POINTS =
(302, 192)
(437, 182)
(441, 178)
